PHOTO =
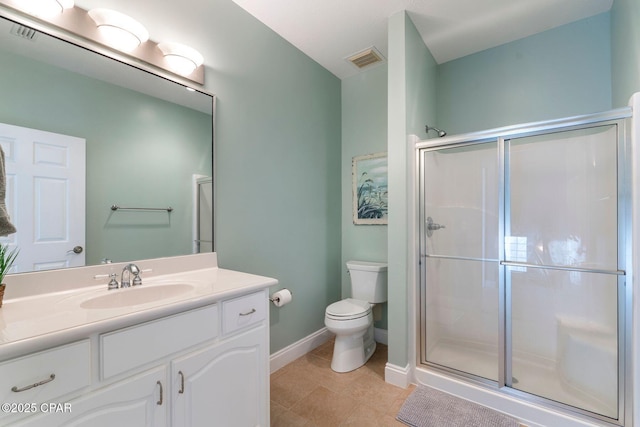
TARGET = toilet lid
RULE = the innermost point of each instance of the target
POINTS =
(348, 308)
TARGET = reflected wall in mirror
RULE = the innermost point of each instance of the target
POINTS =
(148, 142)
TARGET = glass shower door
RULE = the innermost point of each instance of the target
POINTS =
(524, 244)
(460, 258)
(562, 269)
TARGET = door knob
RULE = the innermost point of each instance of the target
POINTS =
(76, 250)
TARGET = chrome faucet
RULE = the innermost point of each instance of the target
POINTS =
(125, 280)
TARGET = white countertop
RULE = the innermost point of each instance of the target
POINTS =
(35, 322)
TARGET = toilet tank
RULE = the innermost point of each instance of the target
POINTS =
(368, 281)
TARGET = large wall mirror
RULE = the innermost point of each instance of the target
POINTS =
(82, 132)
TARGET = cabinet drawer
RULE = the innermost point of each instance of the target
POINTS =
(243, 311)
(142, 344)
(58, 371)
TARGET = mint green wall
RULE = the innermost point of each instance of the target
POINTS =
(625, 35)
(278, 190)
(364, 131)
(421, 84)
(412, 104)
(561, 72)
(160, 144)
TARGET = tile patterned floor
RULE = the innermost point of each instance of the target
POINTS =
(308, 393)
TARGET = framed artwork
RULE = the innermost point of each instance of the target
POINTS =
(370, 195)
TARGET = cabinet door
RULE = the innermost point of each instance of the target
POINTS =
(224, 384)
(140, 401)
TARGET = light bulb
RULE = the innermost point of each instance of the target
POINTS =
(181, 59)
(119, 30)
(45, 8)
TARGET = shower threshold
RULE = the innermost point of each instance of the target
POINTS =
(533, 374)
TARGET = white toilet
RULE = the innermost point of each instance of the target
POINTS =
(351, 319)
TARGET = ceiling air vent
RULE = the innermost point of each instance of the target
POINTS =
(24, 32)
(366, 58)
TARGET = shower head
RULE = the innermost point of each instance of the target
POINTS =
(441, 133)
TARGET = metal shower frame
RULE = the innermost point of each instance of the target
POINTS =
(621, 118)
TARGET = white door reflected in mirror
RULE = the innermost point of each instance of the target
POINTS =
(45, 197)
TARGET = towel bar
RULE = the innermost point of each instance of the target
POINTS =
(120, 208)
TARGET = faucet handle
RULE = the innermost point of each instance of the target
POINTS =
(113, 283)
(137, 280)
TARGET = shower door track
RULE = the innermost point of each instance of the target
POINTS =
(624, 272)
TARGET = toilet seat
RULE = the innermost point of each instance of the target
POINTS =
(348, 309)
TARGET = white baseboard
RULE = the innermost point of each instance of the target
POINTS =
(283, 357)
(397, 375)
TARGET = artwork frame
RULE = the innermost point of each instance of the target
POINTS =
(369, 176)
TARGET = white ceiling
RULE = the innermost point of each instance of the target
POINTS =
(331, 30)
(328, 31)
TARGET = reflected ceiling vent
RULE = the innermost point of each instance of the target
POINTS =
(366, 58)
(24, 32)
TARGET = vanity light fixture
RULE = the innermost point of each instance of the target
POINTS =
(181, 59)
(45, 8)
(119, 30)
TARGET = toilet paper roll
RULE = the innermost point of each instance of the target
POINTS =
(281, 297)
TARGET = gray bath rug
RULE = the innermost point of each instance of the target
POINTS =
(428, 407)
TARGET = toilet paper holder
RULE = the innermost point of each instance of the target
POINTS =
(274, 298)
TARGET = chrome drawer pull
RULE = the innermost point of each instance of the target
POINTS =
(159, 402)
(181, 391)
(253, 310)
(15, 389)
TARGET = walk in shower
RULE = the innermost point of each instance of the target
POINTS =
(523, 260)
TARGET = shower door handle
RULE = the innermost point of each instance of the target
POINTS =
(432, 226)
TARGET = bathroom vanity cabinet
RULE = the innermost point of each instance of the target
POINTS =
(201, 367)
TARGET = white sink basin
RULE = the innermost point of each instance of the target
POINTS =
(135, 296)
